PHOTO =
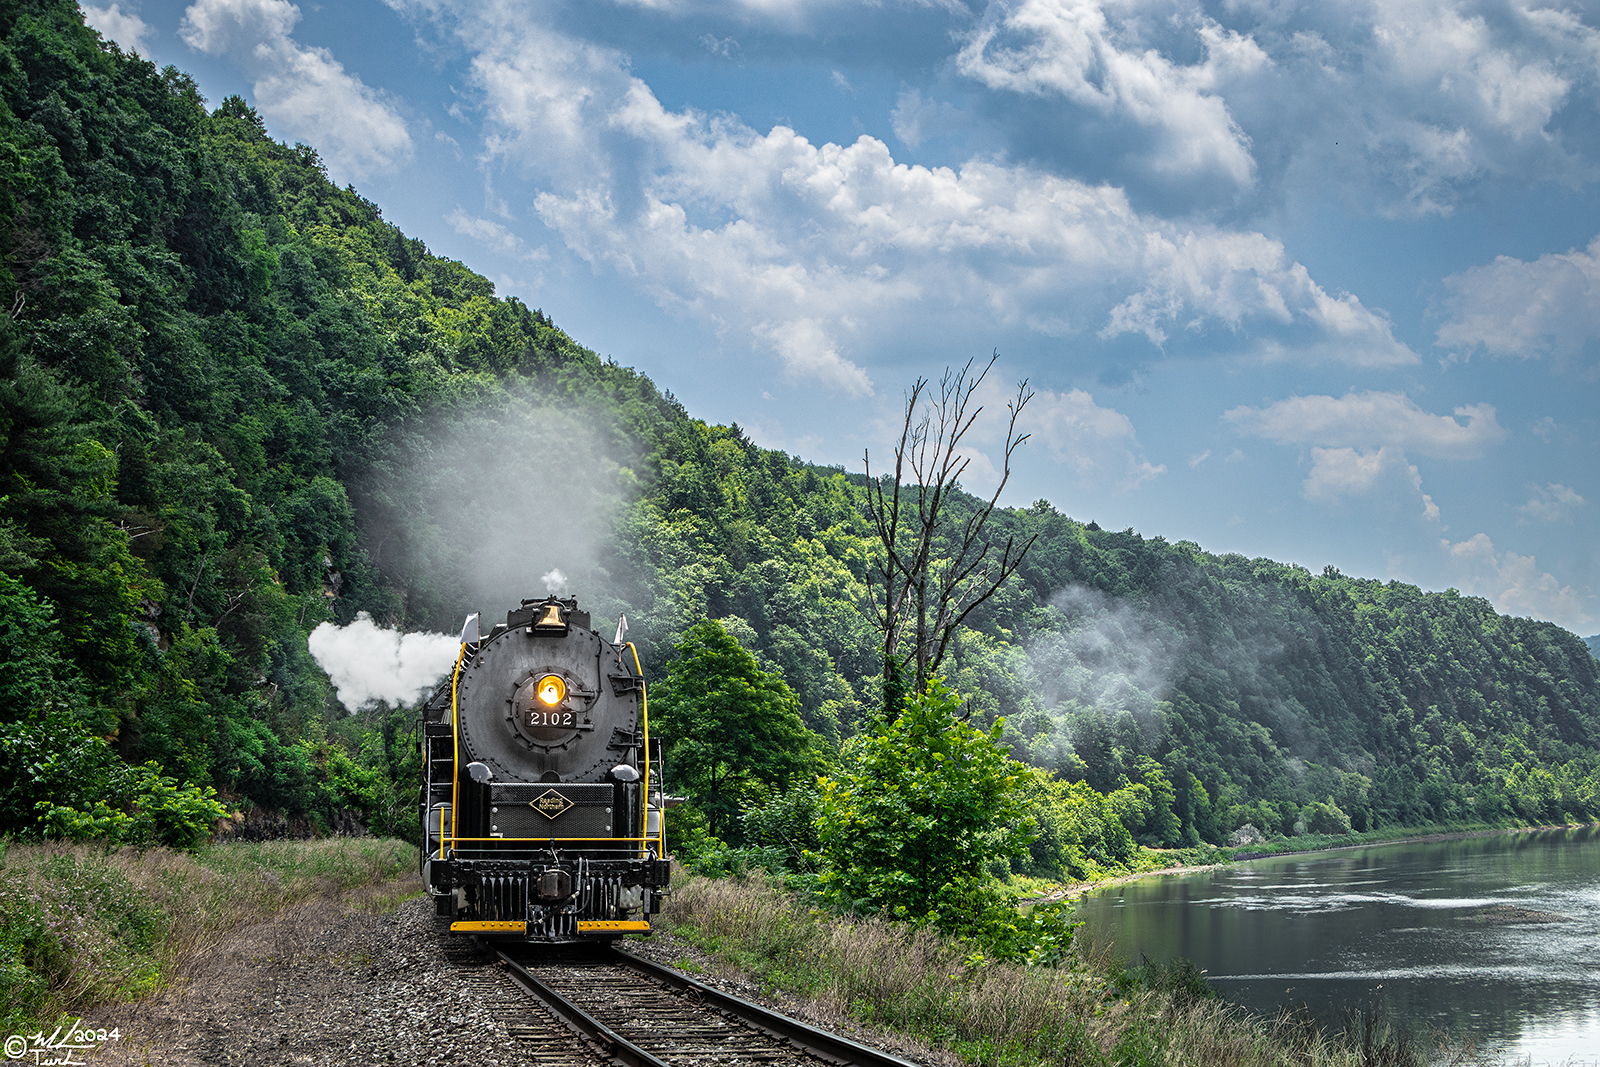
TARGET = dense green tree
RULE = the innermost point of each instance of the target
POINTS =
(1081, 833)
(732, 730)
(922, 805)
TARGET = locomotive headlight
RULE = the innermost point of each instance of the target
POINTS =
(551, 691)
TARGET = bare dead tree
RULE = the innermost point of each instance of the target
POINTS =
(937, 568)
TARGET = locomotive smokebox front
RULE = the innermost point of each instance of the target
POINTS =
(535, 704)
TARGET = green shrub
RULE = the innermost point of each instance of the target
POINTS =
(725, 862)
(65, 782)
(920, 810)
(911, 820)
(786, 822)
(1325, 818)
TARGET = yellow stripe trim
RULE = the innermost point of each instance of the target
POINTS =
(455, 752)
(589, 926)
(501, 839)
(517, 928)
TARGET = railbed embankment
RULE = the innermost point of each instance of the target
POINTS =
(83, 925)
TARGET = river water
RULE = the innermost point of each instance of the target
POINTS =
(1494, 938)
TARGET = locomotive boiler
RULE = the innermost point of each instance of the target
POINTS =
(542, 799)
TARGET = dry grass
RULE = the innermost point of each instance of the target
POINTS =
(81, 925)
(918, 982)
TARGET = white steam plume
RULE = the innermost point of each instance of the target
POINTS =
(509, 501)
(368, 663)
(1107, 657)
(1109, 653)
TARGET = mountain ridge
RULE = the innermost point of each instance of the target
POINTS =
(239, 403)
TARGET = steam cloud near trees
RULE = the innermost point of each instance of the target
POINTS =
(368, 663)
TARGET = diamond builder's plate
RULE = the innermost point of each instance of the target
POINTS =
(550, 804)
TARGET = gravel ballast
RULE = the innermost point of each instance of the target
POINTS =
(331, 982)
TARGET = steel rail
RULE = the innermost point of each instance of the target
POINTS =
(611, 1043)
(831, 1048)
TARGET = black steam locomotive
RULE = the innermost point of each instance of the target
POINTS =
(542, 804)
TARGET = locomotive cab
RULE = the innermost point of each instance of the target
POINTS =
(542, 802)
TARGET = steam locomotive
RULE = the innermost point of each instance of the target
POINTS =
(542, 799)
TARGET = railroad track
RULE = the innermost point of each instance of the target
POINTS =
(539, 1038)
(639, 1014)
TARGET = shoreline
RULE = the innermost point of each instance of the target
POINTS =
(1074, 890)
(1455, 835)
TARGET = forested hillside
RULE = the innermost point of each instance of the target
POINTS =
(236, 403)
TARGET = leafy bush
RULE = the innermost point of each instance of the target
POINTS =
(161, 811)
(786, 822)
(725, 862)
(63, 781)
(689, 832)
(924, 804)
(910, 819)
(1325, 818)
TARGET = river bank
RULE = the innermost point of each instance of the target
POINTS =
(914, 981)
(1296, 846)
(1380, 837)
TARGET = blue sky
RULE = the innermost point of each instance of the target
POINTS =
(1319, 282)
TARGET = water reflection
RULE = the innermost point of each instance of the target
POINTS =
(1493, 937)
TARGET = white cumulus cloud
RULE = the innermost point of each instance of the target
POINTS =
(304, 90)
(807, 351)
(1083, 51)
(1359, 441)
(1338, 472)
(492, 234)
(1511, 308)
(1405, 106)
(820, 253)
(123, 27)
(1552, 503)
(1514, 583)
(1097, 444)
(1372, 419)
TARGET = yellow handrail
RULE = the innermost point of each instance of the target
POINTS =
(455, 755)
(644, 700)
